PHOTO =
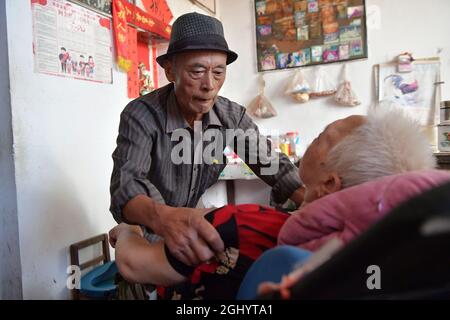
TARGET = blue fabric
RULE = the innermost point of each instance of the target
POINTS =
(99, 282)
(270, 266)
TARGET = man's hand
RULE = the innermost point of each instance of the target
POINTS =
(121, 229)
(298, 196)
(188, 235)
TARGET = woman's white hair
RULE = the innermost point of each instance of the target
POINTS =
(389, 142)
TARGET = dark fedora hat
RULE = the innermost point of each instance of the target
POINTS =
(195, 31)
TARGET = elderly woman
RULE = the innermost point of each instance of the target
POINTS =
(355, 172)
(349, 152)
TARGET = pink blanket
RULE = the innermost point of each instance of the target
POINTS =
(347, 213)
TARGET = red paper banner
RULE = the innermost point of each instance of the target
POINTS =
(158, 8)
(129, 51)
(121, 35)
(147, 21)
(143, 53)
(133, 74)
(155, 65)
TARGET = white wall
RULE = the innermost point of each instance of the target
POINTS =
(10, 271)
(64, 133)
(179, 7)
(406, 25)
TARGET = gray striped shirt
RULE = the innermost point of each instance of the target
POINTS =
(142, 158)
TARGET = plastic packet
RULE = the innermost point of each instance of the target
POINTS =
(261, 107)
(345, 95)
(298, 88)
(322, 85)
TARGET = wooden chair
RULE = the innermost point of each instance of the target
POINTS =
(75, 257)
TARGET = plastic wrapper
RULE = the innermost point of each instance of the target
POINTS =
(345, 95)
(323, 85)
(298, 88)
(261, 107)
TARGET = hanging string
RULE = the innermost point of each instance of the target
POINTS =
(261, 83)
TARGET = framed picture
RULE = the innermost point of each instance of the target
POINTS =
(101, 6)
(209, 5)
(317, 31)
(416, 92)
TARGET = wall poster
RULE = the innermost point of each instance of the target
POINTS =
(415, 92)
(71, 41)
(296, 33)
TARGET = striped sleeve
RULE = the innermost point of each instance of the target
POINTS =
(132, 160)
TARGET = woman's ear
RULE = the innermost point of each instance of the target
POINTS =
(331, 184)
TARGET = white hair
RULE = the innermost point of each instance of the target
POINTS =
(389, 142)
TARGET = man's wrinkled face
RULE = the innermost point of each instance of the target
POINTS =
(312, 171)
(198, 77)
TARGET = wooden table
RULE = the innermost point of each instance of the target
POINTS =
(233, 172)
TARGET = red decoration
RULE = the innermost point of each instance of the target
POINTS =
(133, 75)
(143, 53)
(105, 22)
(158, 8)
(41, 2)
(154, 66)
(147, 21)
(121, 35)
(130, 51)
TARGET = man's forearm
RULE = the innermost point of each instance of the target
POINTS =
(183, 229)
(298, 195)
(143, 210)
(141, 262)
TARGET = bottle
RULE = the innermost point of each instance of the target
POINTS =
(299, 150)
(291, 139)
(284, 145)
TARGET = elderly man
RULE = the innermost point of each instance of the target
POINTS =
(159, 171)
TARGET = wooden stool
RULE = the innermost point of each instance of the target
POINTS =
(75, 258)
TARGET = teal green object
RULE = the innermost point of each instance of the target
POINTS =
(99, 282)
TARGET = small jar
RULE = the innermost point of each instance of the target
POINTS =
(444, 137)
(445, 112)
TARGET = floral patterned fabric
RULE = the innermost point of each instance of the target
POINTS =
(247, 231)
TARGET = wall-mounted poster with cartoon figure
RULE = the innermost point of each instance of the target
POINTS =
(71, 41)
(296, 33)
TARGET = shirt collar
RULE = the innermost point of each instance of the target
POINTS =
(175, 119)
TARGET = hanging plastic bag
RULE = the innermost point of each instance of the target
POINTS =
(261, 107)
(345, 95)
(322, 85)
(298, 87)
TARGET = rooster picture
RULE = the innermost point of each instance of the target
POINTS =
(399, 84)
